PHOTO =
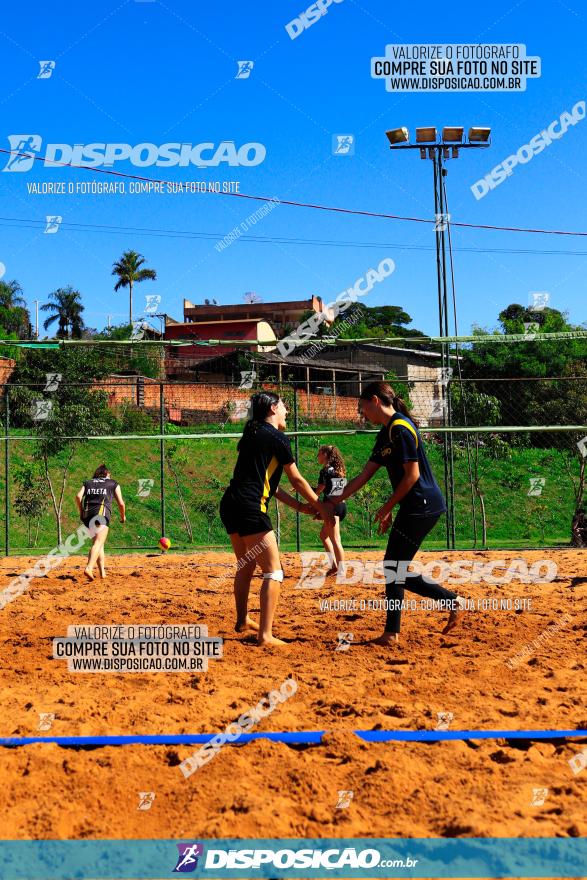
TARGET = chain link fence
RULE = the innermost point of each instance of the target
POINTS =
(509, 454)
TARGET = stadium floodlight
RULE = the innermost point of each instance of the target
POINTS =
(479, 135)
(426, 135)
(440, 152)
(398, 136)
(453, 134)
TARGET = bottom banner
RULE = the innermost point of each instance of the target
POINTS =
(314, 858)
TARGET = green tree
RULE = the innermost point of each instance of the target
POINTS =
(178, 458)
(479, 492)
(207, 504)
(78, 368)
(144, 360)
(379, 321)
(66, 308)
(73, 409)
(369, 498)
(536, 358)
(10, 297)
(30, 500)
(402, 389)
(14, 316)
(473, 407)
(561, 362)
(55, 448)
(128, 271)
(9, 351)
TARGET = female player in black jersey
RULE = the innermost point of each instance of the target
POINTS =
(264, 452)
(331, 481)
(399, 448)
(94, 499)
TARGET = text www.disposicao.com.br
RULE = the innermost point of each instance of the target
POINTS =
(135, 664)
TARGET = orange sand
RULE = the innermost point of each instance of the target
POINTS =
(479, 788)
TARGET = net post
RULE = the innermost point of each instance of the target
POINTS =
(297, 453)
(6, 470)
(162, 454)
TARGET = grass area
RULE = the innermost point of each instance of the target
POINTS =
(202, 468)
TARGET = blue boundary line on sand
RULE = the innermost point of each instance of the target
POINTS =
(302, 737)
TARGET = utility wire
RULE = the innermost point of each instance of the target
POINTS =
(291, 203)
(31, 223)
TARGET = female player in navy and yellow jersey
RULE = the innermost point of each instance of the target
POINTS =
(94, 499)
(264, 452)
(399, 449)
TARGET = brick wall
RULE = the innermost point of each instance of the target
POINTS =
(202, 402)
(6, 369)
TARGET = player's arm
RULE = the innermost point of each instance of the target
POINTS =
(409, 479)
(290, 501)
(359, 481)
(79, 499)
(121, 504)
(302, 486)
(319, 489)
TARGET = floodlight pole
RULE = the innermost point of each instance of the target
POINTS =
(439, 211)
(435, 152)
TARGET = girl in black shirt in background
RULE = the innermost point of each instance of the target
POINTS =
(332, 481)
(94, 502)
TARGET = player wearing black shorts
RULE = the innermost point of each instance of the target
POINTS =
(94, 502)
(332, 481)
(264, 453)
(399, 449)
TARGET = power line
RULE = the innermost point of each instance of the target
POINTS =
(291, 203)
(30, 223)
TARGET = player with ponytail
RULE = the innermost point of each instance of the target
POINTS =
(400, 450)
(331, 481)
(264, 453)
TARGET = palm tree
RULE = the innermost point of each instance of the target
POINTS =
(128, 269)
(67, 310)
(14, 316)
(10, 295)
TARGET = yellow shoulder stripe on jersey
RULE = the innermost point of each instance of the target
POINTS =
(406, 425)
(266, 486)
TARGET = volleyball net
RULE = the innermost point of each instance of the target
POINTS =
(507, 442)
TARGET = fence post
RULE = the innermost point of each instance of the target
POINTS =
(453, 531)
(162, 454)
(297, 454)
(6, 471)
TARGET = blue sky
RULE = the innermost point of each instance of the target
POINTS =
(160, 72)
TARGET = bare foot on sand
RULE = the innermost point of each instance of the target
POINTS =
(270, 640)
(387, 640)
(331, 571)
(89, 574)
(454, 617)
(246, 625)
